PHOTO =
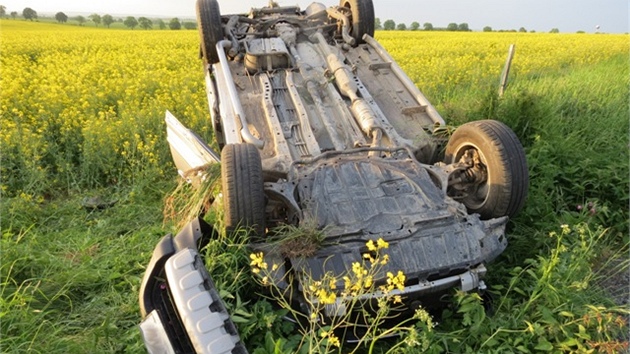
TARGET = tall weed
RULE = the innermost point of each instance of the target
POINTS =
(548, 304)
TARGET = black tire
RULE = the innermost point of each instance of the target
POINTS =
(362, 18)
(243, 192)
(210, 29)
(504, 188)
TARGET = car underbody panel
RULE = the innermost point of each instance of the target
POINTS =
(353, 200)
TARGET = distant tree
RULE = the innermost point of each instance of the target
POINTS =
(174, 24)
(3, 10)
(107, 20)
(428, 26)
(190, 25)
(377, 24)
(130, 22)
(522, 29)
(463, 27)
(29, 14)
(96, 18)
(452, 27)
(487, 29)
(14, 14)
(80, 19)
(554, 30)
(401, 27)
(580, 32)
(532, 31)
(61, 17)
(145, 23)
(414, 26)
(389, 25)
(161, 24)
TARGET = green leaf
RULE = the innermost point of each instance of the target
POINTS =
(547, 315)
(270, 345)
(522, 349)
(583, 334)
(491, 343)
(239, 319)
(224, 294)
(571, 342)
(544, 345)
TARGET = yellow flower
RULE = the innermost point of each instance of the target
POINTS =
(314, 286)
(358, 270)
(332, 339)
(396, 281)
(257, 261)
(368, 282)
(385, 259)
(347, 283)
(381, 244)
(326, 298)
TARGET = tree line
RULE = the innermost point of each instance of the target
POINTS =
(391, 25)
(106, 20)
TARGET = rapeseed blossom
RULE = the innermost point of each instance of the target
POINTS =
(84, 107)
(258, 263)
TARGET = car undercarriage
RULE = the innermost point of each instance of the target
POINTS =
(320, 128)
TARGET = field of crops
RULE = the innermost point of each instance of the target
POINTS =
(81, 117)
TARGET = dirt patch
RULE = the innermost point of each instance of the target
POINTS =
(614, 279)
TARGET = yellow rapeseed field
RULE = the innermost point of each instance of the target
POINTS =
(83, 107)
(441, 60)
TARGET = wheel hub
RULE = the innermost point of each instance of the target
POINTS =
(472, 185)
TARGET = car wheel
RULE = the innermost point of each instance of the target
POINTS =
(497, 182)
(243, 192)
(210, 30)
(362, 12)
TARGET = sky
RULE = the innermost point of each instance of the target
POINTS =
(540, 15)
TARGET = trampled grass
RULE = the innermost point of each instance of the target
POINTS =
(81, 115)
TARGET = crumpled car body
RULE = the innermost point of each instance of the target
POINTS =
(319, 127)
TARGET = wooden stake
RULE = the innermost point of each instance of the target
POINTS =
(506, 70)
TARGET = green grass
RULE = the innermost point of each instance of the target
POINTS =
(573, 124)
(69, 277)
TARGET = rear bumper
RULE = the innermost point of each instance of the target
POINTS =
(181, 308)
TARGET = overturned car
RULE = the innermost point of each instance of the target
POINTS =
(318, 126)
